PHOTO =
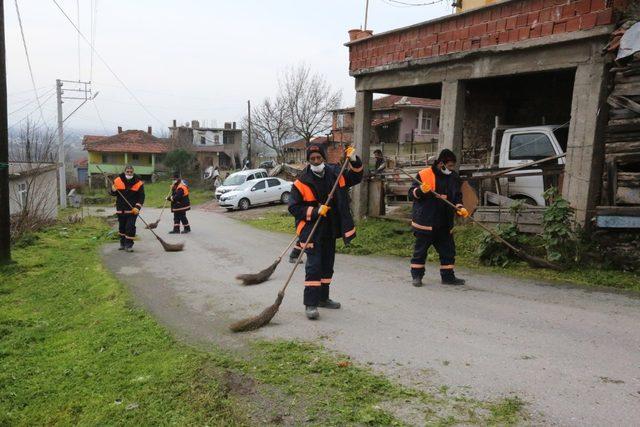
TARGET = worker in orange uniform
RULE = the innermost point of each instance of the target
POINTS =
(308, 201)
(432, 218)
(128, 189)
(180, 204)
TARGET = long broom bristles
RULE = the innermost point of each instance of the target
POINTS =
(262, 276)
(256, 322)
(152, 225)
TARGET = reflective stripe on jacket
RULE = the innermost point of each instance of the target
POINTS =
(303, 203)
(180, 197)
(428, 211)
(132, 190)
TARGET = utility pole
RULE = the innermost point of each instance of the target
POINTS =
(84, 89)
(5, 222)
(249, 132)
(366, 14)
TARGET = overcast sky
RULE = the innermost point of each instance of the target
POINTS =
(184, 59)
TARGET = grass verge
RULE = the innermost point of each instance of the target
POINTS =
(74, 350)
(385, 237)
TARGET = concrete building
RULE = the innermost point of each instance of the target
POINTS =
(33, 187)
(295, 152)
(401, 126)
(526, 61)
(212, 146)
(138, 148)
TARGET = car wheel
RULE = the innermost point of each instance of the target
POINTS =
(285, 197)
(244, 204)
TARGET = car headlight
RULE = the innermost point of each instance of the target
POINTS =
(231, 196)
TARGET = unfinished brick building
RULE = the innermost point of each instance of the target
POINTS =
(529, 62)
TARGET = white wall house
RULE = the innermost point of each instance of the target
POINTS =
(208, 137)
(33, 187)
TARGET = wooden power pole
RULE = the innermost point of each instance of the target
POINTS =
(5, 222)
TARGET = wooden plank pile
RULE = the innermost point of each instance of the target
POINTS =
(622, 135)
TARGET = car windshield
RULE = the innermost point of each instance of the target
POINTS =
(234, 180)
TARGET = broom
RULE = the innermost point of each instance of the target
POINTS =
(168, 247)
(262, 276)
(256, 322)
(154, 225)
(533, 261)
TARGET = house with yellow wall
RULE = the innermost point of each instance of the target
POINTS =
(138, 148)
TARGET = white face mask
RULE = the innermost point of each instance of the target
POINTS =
(317, 169)
(128, 176)
(445, 171)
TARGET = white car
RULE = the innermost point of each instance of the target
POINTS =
(236, 179)
(257, 192)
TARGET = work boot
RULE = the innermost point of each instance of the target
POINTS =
(187, 229)
(121, 248)
(453, 281)
(329, 304)
(417, 282)
(312, 312)
(128, 249)
(174, 231)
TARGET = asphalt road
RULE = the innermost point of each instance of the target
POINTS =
(572, 354)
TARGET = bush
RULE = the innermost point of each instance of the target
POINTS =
(24, 224)
(179, 160)
(561, 240)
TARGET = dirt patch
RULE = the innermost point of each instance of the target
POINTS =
(238, 384)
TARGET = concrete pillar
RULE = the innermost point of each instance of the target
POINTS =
(585, 147)
(452, 116)
(361, 140)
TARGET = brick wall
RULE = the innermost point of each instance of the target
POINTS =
(492, 25)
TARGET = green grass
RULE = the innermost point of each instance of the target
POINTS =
(75, 350)
(155, 194)
(387, 237)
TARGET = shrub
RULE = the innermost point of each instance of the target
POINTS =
(179, 160)
(561, 240)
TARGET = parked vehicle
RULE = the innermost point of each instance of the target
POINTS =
(519, 146)
(257, 192)
(236, 179)
(268, 164)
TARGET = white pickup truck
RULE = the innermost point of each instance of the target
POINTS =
(522, 145)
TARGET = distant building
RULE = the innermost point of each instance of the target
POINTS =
(212, 146)
(296, 151)
(138, 148)
(33, 187)
(81, 167)
(401, 125)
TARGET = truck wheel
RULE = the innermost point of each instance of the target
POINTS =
(285, 197)
(526, 199)
(244, 204)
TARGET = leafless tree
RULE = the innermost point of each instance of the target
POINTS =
(33, 152)
(309, 99)
(270, 125)
(33, 144)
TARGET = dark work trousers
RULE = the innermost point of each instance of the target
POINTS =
(297, 248)
(127, 229)
(442, 240)
(180, 217)
(319, 270)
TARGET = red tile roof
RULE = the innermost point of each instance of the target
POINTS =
(384, 121)
(129, 141)
(393, 102)
(81, 163)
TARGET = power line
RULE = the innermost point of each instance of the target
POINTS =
(79, 57)
(106, 64)
(94, 18)
(30, 102)
(398, 3)
(99, 116)
(26, 52)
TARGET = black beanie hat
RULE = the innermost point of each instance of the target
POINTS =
(316, 148)
(176, 175)
(446, 155)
